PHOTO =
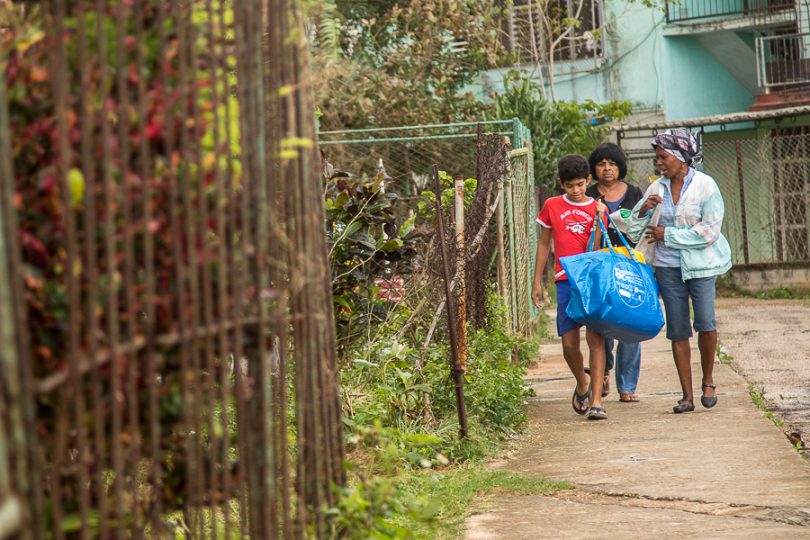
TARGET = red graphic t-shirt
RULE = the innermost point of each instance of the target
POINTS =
(571, 224)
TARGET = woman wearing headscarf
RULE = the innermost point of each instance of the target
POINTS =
(677, 226)
(608, 168)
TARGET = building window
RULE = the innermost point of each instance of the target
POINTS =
(566, 29)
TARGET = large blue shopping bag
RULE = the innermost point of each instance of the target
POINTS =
(614, 295)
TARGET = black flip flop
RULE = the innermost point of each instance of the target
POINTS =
(582, 400)
(597, 413)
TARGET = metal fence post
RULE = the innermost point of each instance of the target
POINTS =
(461, 284)
(458, 377)
(517, 133)
(510, 212)
(13, 443)
(500, 247)
(744, 221)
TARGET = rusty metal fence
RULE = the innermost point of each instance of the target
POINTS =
(764, 175)
(167, 357)
(406, 154)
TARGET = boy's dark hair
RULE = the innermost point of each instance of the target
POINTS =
(608, 151)
(572, 167)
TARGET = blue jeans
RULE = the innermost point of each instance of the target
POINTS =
(677, 293)
(628, 358)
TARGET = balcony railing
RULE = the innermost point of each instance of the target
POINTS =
(783, 61)
(690, 10)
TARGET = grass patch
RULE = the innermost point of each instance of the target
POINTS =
(728, 288)
(454, 494)
(722, 355)
(762, 403)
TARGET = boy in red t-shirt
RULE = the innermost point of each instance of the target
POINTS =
(568, 219)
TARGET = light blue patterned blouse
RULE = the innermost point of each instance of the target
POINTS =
(666, 256)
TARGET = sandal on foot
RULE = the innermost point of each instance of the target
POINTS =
(708, 401)
(605, 383)
(597, 413)
(628, 397)
(684, 405)
(582, 400)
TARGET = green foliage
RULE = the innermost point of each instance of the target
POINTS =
(401, 418)
(722, 355)
(728, 287)
(427, 503)
(763, 404)
(558, 128)
(403, 63)
(367, 240)
(453, 494)
(428, 199)
(783, 293)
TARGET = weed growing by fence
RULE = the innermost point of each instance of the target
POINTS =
(400, 420)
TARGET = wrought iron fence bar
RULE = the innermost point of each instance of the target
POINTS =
(61, 86)
(190, 190)
(14, 474)
(126, 204)
(215, 301)
(89, 63)
(266, 135)
(226, 229)
(154, 519)
(280, 504)
(109, 252)
(57, 475)
(240, 250)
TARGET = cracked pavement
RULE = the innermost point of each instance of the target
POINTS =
(726, 472)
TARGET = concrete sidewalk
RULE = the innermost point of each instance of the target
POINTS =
(726, 472)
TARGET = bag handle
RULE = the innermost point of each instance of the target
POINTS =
(606, 238)
(622, 238)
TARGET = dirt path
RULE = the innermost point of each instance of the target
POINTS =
(769, 341)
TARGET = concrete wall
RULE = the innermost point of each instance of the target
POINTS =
(695, 84)
(767, 278)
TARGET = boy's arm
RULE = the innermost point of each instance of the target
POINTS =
(540, 258)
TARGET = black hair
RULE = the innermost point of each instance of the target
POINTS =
(608, 151)
(572, 167)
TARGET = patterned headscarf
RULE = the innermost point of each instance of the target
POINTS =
(681, 143)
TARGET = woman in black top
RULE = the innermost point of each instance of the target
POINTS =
(608, 168)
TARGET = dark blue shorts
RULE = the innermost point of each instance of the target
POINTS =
(564, 323)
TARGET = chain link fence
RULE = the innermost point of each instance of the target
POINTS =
(406, 155)
(764, 176)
